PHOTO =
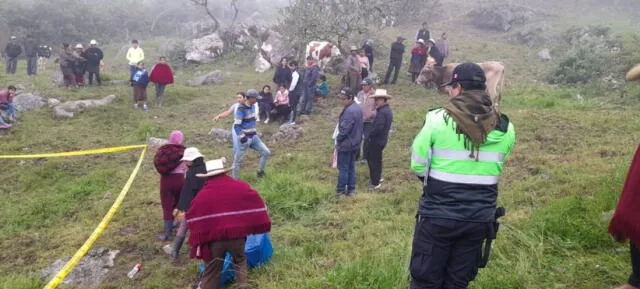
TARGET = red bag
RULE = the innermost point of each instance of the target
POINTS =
(167, 158)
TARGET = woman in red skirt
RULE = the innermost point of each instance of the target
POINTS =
(168, 164)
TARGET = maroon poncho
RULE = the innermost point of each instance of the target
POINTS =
(626, 220)
(161, 74)
(225, 209)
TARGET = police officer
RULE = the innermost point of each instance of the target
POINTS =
(458, 155)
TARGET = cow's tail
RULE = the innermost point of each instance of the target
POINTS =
(504, 72)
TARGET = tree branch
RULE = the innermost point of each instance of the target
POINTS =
(204, 4)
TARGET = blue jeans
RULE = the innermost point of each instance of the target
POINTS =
(256, 144)
(346, 172)
(8, 110)
(236, 141)
(307, 99)
(133, 71)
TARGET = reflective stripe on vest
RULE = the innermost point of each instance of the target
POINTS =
(463, 179)
(466, 155)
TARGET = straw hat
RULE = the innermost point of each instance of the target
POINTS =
(432, 40)
(381, 93)
(190, 154)
(634, 73)
(79, 46)
(214, 168)
(421, 41)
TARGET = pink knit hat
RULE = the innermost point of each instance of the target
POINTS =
(176, 137)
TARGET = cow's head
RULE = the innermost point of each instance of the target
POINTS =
(427, 75)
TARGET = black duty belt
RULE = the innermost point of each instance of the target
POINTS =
(493, 232)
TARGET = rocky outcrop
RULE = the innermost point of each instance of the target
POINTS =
(545, 54)
(532, 35)
(28, 101)
(70, 108)
(205, 49)
(211, 78)
(501, 17)
(221, 135)
(90, 271)
(288, 132)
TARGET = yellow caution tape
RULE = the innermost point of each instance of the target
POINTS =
(98, 230)
(75, 153)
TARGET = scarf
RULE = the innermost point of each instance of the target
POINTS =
(225, 209)
(625, 223)
(475, 117)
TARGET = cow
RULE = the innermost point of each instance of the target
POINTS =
(494, 71)
(322, 52)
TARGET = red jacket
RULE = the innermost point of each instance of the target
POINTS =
(161, 74)
(5, 96)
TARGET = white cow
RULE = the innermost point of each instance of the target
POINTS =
(322, 52)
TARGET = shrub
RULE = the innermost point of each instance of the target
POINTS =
(581, 64)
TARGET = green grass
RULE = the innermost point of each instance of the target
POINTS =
(566, 170)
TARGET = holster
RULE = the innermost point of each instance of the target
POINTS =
(493, 232)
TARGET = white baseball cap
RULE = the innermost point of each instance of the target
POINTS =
(93, 42)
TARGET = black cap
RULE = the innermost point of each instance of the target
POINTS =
(345, 93)
(467, 72)
(366, 81)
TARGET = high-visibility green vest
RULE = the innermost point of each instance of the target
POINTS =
(439, 152)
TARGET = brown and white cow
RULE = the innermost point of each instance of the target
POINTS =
(493, 70)
(322, 52)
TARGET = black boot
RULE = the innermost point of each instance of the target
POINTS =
(168, 227)
(177, 244)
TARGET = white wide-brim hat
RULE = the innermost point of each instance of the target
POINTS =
(190, 154)
(215, 167)
(380, 93)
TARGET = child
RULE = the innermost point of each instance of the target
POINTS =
(282, 103)
(322, 90)
(161, 75)
(140, 81)
(265, 102)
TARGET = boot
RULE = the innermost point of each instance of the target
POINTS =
(177, 244)
(168, 227)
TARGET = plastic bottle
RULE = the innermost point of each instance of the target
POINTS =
(135, 270)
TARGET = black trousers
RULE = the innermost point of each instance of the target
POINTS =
(634, 279)
(366, 131)
(96, 75)
(294, 98)
(446, 254)
(393, 65)
(374, 159)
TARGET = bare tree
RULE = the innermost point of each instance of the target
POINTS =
(234, 6)
(205, 5)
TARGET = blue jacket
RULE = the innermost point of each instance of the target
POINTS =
(311, 76)
(381, 126)
(141, 78)
(350, 129)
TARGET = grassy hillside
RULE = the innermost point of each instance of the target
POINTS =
(566, 170)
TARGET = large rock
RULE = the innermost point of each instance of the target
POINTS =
(221, 135)
(276, 47)
(70, 108)
(261, 64)
(205, 49)
(545, 54)
(28, 101)
(500, 17)
(288, 132)
(532, 35)
(211, 78)
(89, 272)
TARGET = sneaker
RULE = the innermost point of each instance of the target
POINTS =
(266, 121)
(5, 126)
(163, 238)
(340, 194)
(135, 106)
(372, 187)
(351, 194)
(145, 107)
(292, 122)
(261, 174)
(381, 181)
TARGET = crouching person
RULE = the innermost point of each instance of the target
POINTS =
(221, 216)
(7, 109)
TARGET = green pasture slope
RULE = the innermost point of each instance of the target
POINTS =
(566, 170)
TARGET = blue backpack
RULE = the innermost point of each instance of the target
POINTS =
(258, 251)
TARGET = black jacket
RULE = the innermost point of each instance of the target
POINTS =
(93, 55)
(282, 76)
(368, 51)
(381, 126)
(192, 184)
(12, 50)
(423, 34)
(30, 48)
(397, 51)
(437, 55)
